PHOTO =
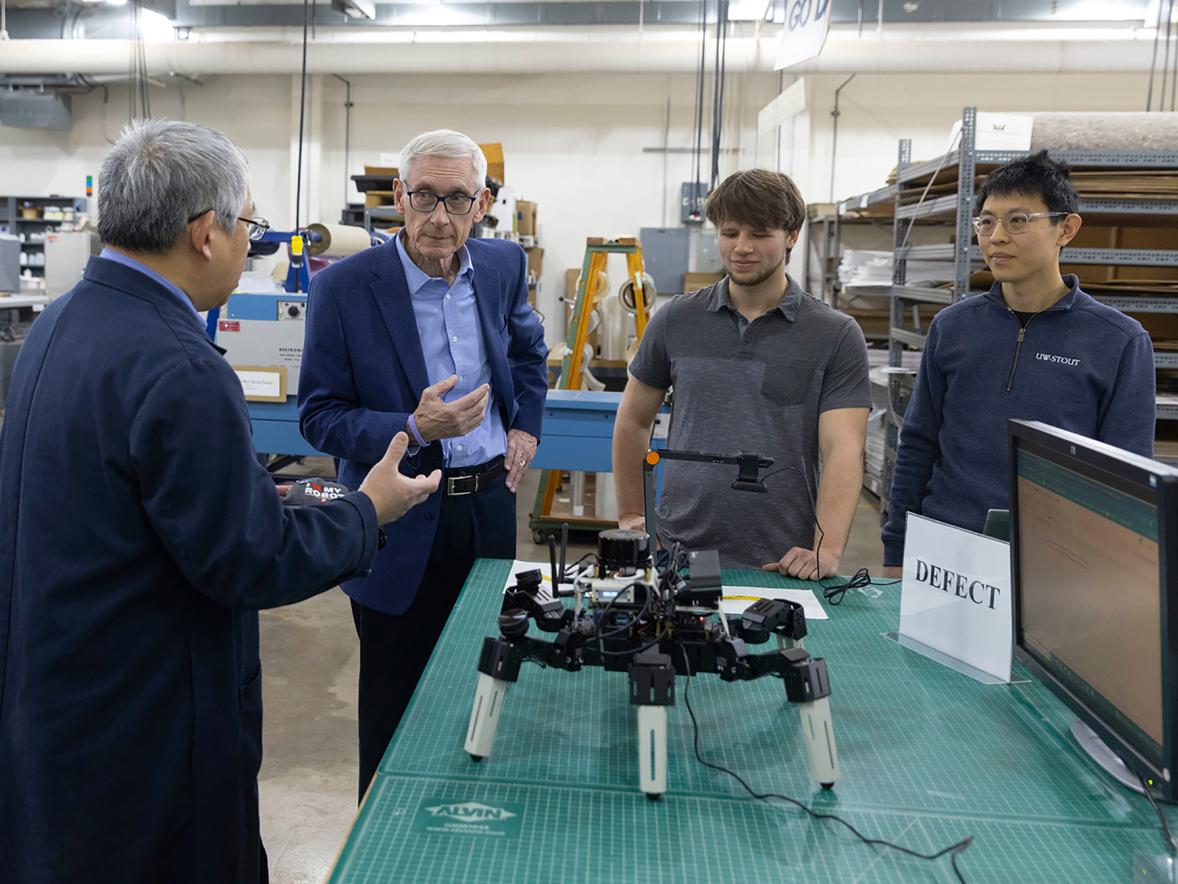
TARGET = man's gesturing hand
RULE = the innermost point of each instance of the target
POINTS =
(437, 419)
(392, 493)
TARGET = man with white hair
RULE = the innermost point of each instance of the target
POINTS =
(430, 334)
(139, 536)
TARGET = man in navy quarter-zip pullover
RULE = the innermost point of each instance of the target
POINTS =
(1034, 347)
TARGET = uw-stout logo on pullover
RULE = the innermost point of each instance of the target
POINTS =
(1059, 360)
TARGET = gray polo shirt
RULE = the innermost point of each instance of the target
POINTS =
(754, 387)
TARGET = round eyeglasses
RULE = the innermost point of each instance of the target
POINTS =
(1014, 223)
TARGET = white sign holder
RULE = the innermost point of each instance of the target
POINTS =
(955, 604)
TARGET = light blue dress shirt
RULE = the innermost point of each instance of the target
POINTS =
(452, 343)
(120, 258)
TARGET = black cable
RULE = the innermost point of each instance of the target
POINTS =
(697, 158)
(138, 99)
(1153, 64)
(578, 562)
(836, 593)
(1166, 54)
(1166, 833)
(813, 512)
(1174, 60)
(952, 851)
(143, 67)
(302, 115)
(718, 88)
(833, 594)
(141, 70)
(131, 65)
(714, 170)
(619, 630)
(557, 592)
(347, 131)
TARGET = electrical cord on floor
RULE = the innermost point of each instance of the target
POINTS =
(1166, 833)
(952, 851)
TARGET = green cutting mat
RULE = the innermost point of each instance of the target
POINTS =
(927, 756)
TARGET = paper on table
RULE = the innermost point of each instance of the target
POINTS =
(737, 598)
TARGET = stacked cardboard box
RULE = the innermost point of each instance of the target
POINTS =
(380, 196)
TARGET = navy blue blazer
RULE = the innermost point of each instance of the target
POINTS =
(138, 538)
(363, 373)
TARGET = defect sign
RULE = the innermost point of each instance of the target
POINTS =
(956, 594)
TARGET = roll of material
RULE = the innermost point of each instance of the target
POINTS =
(337, 240)
(1121, 131)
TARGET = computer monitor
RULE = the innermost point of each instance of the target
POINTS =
(1094, 564)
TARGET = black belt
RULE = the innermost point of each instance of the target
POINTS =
(458, 481)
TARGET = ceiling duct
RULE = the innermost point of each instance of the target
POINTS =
(25, 109)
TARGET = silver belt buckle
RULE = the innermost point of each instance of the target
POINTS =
(452, 488)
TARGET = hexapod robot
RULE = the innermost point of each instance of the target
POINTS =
(654, 616)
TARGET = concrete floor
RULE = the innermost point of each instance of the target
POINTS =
(310, 661)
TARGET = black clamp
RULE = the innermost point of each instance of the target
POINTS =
(773, 617)
(805, 677)
(500, 660)
(550, 615)
(652, 679)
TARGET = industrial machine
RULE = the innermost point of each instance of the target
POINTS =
(265, 329)
(654, 616)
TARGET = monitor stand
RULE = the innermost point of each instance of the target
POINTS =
(1108, 760)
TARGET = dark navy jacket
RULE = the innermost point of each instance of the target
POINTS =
(1080, 366)
(138, 538)
(363, 373)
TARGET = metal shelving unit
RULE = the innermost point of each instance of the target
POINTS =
(376, 217)
(12, 221)
(826, 246)
(955, 210)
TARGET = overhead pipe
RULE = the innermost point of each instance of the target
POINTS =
(531, 52)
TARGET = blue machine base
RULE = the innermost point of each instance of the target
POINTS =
(577, 430)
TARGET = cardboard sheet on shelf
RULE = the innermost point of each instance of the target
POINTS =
(1133, 184)
(1133, 287)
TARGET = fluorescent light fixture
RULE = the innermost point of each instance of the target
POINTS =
(365, 9)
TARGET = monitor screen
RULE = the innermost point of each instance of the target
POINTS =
(1089, 588)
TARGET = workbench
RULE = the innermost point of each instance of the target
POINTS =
(927, 757)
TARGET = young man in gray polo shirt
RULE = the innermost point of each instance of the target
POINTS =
(759, 366)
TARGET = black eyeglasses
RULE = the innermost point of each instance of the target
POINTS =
(456, 203)
(257, 227)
